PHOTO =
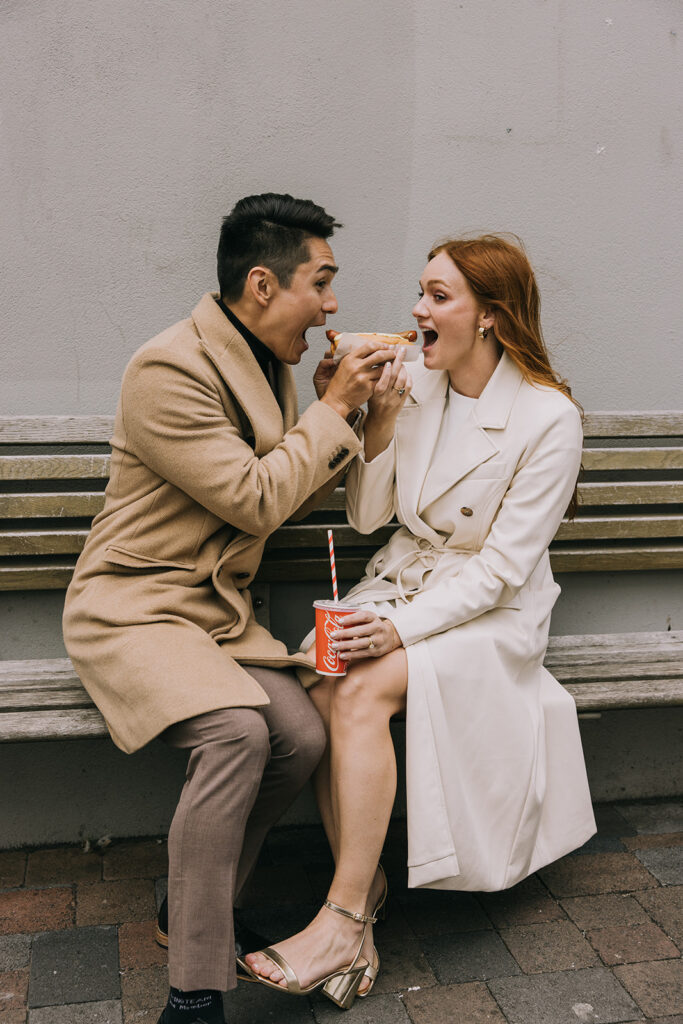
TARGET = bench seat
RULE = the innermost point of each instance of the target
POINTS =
(44, 700)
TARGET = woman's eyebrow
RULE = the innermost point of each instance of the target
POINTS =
(432, 282)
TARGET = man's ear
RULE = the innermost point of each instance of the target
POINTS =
(261, 284)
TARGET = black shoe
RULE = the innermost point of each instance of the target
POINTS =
(246, 940)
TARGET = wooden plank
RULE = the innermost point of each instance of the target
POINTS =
(571, 644)
(632, 458)
(655, 693)
(51, 505)
(49, 576)
(38, 672)
(622, 559)
(631, 493)
(75, 723)
(314, 535)
(54, 467)
(664, 524)
(56, 429)
(42, 542)
(667, 423)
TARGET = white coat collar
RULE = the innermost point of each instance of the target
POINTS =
(418, 430)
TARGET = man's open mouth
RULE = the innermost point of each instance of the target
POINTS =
(428, 338)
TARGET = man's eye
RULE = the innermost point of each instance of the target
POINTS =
(320, 284)
(420, 295)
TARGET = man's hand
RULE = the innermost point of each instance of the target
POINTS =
(324, 373)
(355, 377)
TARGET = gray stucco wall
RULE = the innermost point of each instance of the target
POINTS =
(129, 127)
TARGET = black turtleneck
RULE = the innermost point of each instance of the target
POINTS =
(266, 359)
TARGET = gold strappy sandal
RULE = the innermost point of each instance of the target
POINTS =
(340, 986)
(380, 913)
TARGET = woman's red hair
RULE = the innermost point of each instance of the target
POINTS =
(500, 276)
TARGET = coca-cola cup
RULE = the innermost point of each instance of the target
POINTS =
(329, 616)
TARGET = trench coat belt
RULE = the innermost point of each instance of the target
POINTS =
(426, 556)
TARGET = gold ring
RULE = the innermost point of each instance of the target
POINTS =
(400, 391)
(371, 644)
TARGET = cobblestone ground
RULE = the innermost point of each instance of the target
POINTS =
(595, 937)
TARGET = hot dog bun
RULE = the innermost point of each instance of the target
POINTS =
(341, 344)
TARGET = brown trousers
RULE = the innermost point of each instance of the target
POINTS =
(245, 768)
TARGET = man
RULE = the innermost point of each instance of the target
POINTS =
(208, 459)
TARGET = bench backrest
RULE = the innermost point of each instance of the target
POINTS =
(53, 471)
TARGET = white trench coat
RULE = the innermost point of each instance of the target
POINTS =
(496, 782)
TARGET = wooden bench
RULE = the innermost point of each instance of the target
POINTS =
(53, 471)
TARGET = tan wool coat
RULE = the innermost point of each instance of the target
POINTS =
(158, 619)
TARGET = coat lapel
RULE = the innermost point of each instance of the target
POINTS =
(232, 357)
(474, 446)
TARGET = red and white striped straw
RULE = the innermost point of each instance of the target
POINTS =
(333, 567)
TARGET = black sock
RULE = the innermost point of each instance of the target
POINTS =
(204, 1004)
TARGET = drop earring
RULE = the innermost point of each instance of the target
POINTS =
(483, 332)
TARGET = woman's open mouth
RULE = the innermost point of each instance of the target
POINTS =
(428, 339)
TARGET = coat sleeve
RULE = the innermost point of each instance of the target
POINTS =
(527, 521)
(175, 423)
(370, 490)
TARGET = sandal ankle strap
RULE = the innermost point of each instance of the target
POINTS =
(361, 918)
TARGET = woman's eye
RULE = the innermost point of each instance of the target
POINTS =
(420, 295)
(438, 297)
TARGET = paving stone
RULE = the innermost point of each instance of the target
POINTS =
(590, 996)
(526, 903)
(160, 891)
(143, 990)
(137, 948)
(447, 1004)
(147, 1016)
(36, 910)
(108, 1012)
(76, 966)
(604, 911)
(468, 956)
(373, 1010)
(666, 864)
(402, 963)
(256, 1004)
(558, 946)
(610, 822)
(63, 865)
(435, 913)
(628, 944)
(595, 873)
(15, 952)
(654, 817)
(12, 868)
(678, 1019)
(650, 842)
(13, 990)
(665, 906)
(599, 844)
(657, 987)
(114, 902)
(135, 860)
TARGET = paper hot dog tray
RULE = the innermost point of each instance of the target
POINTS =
(342, 343)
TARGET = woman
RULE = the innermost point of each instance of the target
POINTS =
(477, 457)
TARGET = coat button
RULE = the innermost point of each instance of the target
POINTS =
(331, 464)
(344, 452)
(466, 511)
(241, 575)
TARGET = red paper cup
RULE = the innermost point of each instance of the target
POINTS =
(329, 616)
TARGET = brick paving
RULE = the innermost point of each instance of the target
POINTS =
(595, 938)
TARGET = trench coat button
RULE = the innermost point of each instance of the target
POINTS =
(331, 464)
(466, 511)
(344, 452)
(241, 575)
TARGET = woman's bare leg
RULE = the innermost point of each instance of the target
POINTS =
(361, 788)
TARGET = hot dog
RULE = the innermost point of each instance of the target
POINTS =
(341, 344)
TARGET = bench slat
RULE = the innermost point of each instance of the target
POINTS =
(53, 505)
(668, 423)
(654, 693)
(76, 723)
(632, 458)
(56, 429)
(54, 467)
(639, 492)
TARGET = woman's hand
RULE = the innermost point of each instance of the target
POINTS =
(365, 635)
(391, 390)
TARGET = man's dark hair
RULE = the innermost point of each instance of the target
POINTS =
(268, 230)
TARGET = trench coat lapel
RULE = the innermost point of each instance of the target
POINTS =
(232, 357)
(417, 429)
(477, 439)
